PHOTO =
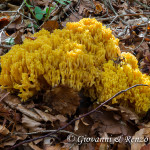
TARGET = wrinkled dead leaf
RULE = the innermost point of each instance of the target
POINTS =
(4, 20)
(88, 146)
(17, 24)
(48, 117)
(30, 123)
(56, 147)
(146, 147)
(86, 5)
(98, 7)
(34, 147)
(105, 122)
(127, 114)
(3, 130)
(62, 99)
(50, 25)
(142, 134)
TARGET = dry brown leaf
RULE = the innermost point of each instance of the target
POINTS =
(18, 36)
(61, 118)
(74, 17)
(8, 143)
(76, 127)
(3, 130)
(67, 146)
(12, 7)
(50, 25)
(98, 7)
(14, 102)
(110, 108)
(82, 129)
(143, 46)
(41, 2)
(21, 129)
(84, 122)
(62, 99)
(146, 147)
(34, 147)
(49, 147)
(127, 114)
(4, 20)
(105, 122)
(88, 146)
(86, 5)
(48, 117)
(142, 134)
(16, 24)
(45, 116)
(30, 123)
(29, 113)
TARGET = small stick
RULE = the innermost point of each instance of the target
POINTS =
(143, 37)
(144, 5)
(109, 18)
(5, 46)
(13, 17)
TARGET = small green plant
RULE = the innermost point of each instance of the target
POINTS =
(38, 13)
(63, 2)
(10, 41)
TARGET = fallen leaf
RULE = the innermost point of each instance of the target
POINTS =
(98, 7)
(127, 114)
(34, 147)
(30, 123)
(146, 147)
(141, 134)
(62, 99)
(87, 5)
(49, 147)
(50, 25)
(16, 24)
(3, 130)
(4, 20)
(48, 117)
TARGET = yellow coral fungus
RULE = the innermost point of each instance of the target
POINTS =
(120, 77)
(79, 56)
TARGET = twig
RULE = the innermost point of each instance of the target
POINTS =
(124, 31)
(18, 13)
(112, 8)
(13, 17)
(142, 38)
(78, 118)
(32, 26)
(112, 21)
(144, 5)
(122, 15)
(44, 131)
(5, 46)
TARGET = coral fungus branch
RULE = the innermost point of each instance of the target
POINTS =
(78, 118)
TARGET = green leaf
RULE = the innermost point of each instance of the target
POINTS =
(39, 16)
(36, 26)
(68, 2)
(61, 2)
(38, 10)
(47, 9)
(10, 41)
(43, 12)
(29, 25)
